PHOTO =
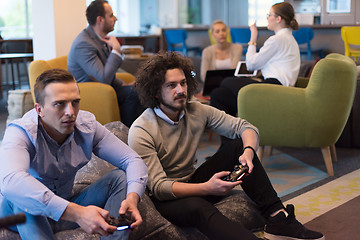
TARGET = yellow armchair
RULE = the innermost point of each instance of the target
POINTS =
(97, 98)
(39, 66)
(126, 77)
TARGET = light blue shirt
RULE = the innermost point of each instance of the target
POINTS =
(164, 117)
(37, 174)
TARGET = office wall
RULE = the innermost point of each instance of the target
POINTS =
(232, 12)
(56, 23)
(129, 16)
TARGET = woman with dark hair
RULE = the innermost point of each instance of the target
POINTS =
(278, 59)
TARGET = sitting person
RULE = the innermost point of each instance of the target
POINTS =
(90, 58)
(166, 136)
(221, 55)
(278, 59)
(41, 153)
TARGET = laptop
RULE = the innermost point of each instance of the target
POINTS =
(213, 79)
(241, 70)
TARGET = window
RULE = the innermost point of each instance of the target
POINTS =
(15, 19)
(258, 10)
(338, 6)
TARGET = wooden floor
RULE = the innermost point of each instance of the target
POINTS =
(340, 223)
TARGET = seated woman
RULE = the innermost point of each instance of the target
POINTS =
(278, 59)
(221, 55)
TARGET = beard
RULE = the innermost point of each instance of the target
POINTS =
(173, 107)
(108, 28)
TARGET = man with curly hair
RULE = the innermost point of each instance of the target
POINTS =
(167, 135)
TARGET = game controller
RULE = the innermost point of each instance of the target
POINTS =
(122, 222)
(238, 172)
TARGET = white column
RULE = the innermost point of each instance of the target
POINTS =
(168, 13)
(129, 16)
(56, 23)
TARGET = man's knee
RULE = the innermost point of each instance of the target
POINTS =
(198, 207)
(217, 96)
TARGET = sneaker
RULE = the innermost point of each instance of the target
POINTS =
(280, 227)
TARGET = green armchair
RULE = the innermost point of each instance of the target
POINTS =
(310, 115)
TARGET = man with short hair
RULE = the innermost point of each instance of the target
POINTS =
(95, 56)
(167, 135)
(41, 153)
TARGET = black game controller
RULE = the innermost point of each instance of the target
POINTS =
(122, 222)
(238, 172)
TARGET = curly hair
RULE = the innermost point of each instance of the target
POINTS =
(151, 76)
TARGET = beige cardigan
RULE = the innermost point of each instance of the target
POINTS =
(208, 58)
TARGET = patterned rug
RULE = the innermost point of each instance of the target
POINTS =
(286, 173)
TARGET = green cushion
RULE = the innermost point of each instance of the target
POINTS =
(310, 115)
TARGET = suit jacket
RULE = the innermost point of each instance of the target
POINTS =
(90, 58)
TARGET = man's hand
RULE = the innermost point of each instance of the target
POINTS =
(112, 42)
(91, 219)
(246, 158)
(129, 208)
(217, 186)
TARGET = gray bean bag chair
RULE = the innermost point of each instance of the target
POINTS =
(237, 206)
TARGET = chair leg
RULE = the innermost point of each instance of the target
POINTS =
(333, 152)
(19, 75)
(270, 150)
(327, 159)
(260, 152)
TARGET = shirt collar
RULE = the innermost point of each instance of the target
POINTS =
(284, 30)
(164, 117)
(50, 139)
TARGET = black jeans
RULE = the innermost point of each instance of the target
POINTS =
(225, 96)
(129, 103)
(201, 213)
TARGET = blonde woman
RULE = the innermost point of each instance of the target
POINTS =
(221, 55)
(278, 59)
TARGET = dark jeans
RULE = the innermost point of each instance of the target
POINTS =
(225, 96)
(201, 213)
(129, 103)
(108, 192)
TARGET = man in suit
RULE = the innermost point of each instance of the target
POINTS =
(95, 56)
